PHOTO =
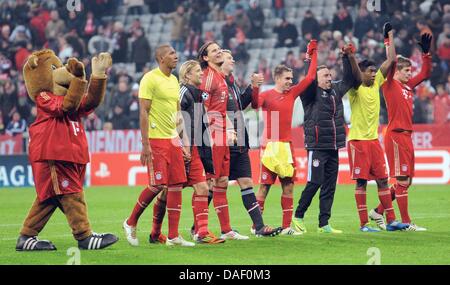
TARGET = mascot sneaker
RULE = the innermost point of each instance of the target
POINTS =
(97, 241)
(26, 243)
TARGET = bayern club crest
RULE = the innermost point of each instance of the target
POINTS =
(357, 170)
(316, 163)
(264, 176)
(158, 175)
(404, 167)
(65, 183)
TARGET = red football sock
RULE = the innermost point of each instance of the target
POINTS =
(261, 202)
(401, 194)
(380, 208)
(361, 204)
(386, 201)
(159, 211)
(174, 210)
(287, 203)
(201, 214)
(221, 206)
(146, 197)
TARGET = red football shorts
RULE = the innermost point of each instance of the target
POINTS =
(53, 178)
(269, 177)
(366, 159)
(195, 171)
(221, 161)
(167, 164)
(400, 153)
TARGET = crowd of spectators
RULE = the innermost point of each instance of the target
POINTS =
(30, 25)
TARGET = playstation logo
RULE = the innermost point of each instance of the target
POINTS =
(103, 171)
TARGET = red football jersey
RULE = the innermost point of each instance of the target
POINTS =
(280, 106)
(57, 135)
(216, 91)
(399, 97)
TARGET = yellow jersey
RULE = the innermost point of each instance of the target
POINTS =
(163, 91)
(365, 107)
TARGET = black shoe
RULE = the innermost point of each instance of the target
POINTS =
(97, 241)
(26, 243)
(267, 231)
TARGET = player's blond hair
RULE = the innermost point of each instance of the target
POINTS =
(279, 69)
(403, 62)
(185, 69)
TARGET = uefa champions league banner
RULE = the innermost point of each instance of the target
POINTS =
(15, 171)
(432, 167)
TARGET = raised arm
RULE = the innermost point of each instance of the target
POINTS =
(425, 71)
(350, 51)
(390, 49)
(300, 88)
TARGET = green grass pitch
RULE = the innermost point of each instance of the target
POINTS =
(109, 206)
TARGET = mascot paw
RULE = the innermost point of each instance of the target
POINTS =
(101, 63)
(76, 67)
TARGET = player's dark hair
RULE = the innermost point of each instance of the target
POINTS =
(403, 62)
(366, 63)
(204, 52)
(320, 67)
(279, 69)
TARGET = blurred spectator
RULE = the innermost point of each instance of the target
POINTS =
(55, 26)
(193, 43)
(100, 43)
(65, 49)
(350, 38)
(121, 96)
(107, 126)
(233, 5)
(423, 28)
(444, 54)
(38, 23)
(78, 45)
(140, 50)
(241, 19)
(133, 107)
(90, 26)
(16, 126)
(229, 30)
(287, 34)
(180, 22)
(120, 43)
(20, 12)
(134, 7)
(310, 25)
(441, 104)
(20, 33)
(239, 50)
(119, 120)
(264, 69)
(342, 21)
(92, 123)
(257, 18)
(2, 124)
(22, 54)
(8, 98)
(32, 117)
(74, 23)
(278, 8)
(6, 12)
(363, 23)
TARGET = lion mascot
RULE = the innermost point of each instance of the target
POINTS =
(58, 149)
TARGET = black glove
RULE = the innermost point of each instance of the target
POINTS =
(425, 42)
(386, 29)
